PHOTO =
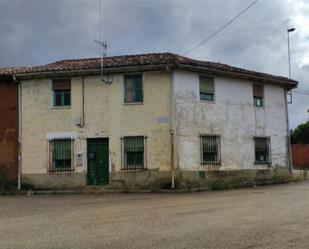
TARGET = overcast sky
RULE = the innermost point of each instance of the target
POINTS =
(35, 32)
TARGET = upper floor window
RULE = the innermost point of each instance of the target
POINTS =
(210, 149)
(61, 155)
(62, 92)
(258, 95)
(133, 88)
(207, 88)
(262, 150)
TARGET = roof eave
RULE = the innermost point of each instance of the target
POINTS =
(81, 72)
(287, 84)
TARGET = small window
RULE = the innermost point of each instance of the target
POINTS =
(210, 149)
(133, 85)
(258, 95)
(61, 155)
(62, 92)
(262, 150)
(134, 153)
(207, 89)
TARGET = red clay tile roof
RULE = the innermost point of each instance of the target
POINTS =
(151, 59)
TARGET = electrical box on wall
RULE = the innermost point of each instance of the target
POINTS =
(79, 159)
(79, 121)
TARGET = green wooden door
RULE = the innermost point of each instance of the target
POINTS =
(98, 161)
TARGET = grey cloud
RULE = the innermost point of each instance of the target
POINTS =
(41, 31)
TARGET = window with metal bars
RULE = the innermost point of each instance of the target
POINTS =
(262, 150)
(210, 149)
(207, 88)
(62, 92)
(134, 153)
(258, 95)
(133, 88)
(61, 151)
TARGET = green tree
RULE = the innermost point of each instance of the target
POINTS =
(300, 135)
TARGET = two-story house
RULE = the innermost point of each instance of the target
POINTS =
(154, 120)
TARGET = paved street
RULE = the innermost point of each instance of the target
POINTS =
(265, 217)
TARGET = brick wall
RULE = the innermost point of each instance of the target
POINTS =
(9, 128)
(300, 155)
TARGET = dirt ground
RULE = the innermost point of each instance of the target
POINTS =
(265, 217)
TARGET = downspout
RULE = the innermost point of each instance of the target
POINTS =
(83, 101)
(19, 132)
(172, 129)
(289, 151)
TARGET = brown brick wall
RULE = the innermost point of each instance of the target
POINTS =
(9, 128)
(300, 155)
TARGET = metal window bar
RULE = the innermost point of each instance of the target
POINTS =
(210, 149)
(263, 145)
(133, 153)
(269, 150)
(62, 151)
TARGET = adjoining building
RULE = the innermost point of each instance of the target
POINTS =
(9, 133)
(161, 120)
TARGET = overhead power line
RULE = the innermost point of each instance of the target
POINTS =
(300, 92)
(220, 29)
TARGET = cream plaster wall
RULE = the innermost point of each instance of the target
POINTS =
(105, 116)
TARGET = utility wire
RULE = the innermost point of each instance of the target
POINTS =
(300, 92)
(220, 29)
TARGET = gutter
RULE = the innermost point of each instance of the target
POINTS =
(129, 69)
(87, 72)
(19, 131)
(287, 84)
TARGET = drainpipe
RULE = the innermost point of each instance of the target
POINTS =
(172, 130)
(83, 101)
(289, 151)
(19, 132)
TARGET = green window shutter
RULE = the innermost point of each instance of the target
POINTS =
(206, 85)
(210, 149)
(134, 153)
(134, 144)
(62, 150)
(133, 88)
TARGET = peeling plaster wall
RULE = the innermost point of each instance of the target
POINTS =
(233, 117)
(105, 116)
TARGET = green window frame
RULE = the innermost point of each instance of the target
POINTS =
(210, 149)
(61, 153)
(262, 150)
(258, 95)
(133, 88)
(61, 92)
(207, 88)
(133, 153)
(258, 101)
(62, 98)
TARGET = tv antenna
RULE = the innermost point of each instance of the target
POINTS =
(103, 46)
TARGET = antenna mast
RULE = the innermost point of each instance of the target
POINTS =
(103, 46)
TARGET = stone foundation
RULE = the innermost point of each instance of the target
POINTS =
(156, 180)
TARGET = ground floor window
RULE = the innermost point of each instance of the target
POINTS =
(61, 155)
(133, 153)
(262, 150)
(210, 149)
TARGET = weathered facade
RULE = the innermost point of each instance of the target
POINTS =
(232, 116)
(155, 121)
(9, 144)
